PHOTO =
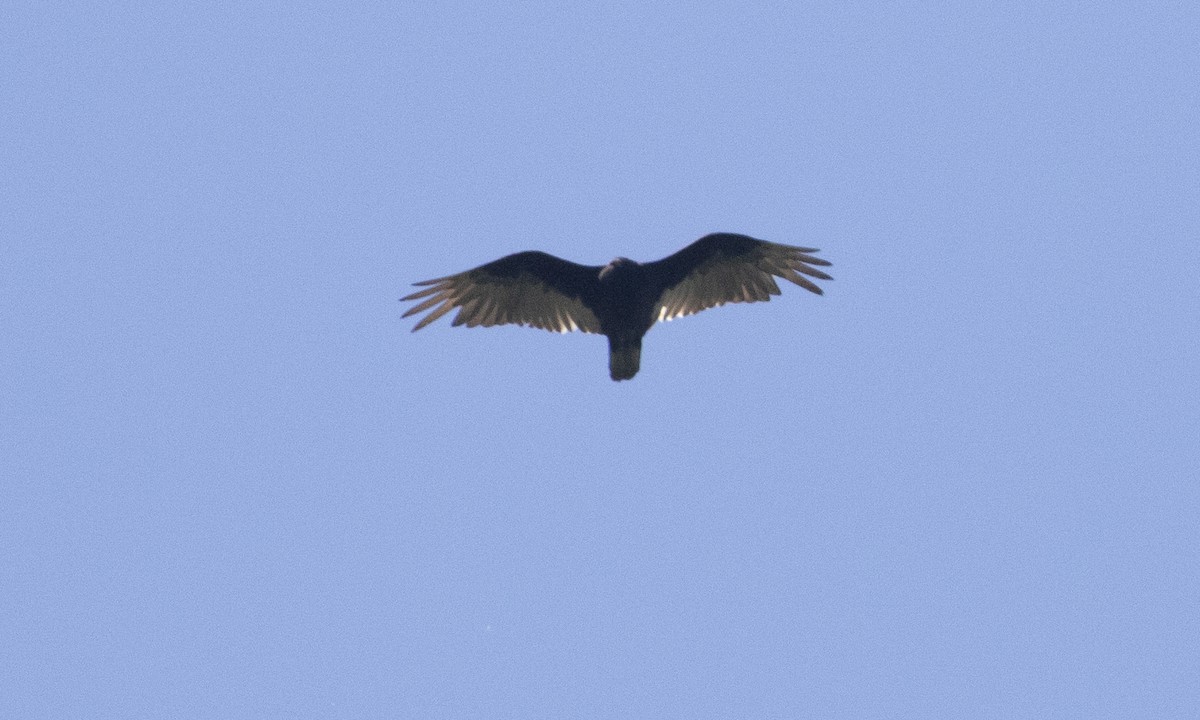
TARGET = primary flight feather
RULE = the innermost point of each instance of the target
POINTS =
(621, 300)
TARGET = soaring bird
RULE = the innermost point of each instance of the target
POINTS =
(622, 299)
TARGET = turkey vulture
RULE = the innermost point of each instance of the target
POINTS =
(622, 299)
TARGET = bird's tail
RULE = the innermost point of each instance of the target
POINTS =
(624, 357)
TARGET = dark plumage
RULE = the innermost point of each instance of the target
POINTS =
(621, 300)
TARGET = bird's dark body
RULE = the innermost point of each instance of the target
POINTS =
(625, 308)
(624, 301)
(621, 300)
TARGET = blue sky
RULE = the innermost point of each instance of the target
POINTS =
(963, 483)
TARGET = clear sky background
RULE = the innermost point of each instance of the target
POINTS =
(964, 483)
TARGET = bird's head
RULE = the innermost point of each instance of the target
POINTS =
(617, 263)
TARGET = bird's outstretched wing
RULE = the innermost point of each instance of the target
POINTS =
(528, 288)
(727, 268)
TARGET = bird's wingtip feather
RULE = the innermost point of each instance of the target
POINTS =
(433, 281)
